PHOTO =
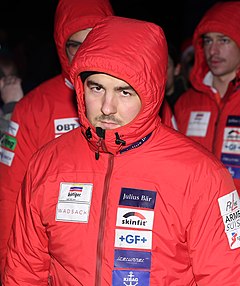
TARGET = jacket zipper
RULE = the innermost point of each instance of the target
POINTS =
(100, 242)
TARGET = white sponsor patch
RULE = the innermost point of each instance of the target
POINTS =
(231, 142)
(198, 123)
(13, 128)
(74, 202)
(6, 157)
(72, 212)
(135, 218)
(65, 125)
(133, 239)
(230, 211)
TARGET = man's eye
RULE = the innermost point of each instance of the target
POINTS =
(96, 88)
(73, 44)
(72, 47)
(125, 93)
(225, 40)
(206, 41)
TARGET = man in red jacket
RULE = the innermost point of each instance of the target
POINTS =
(101, 205)
(209, 111)
(48, 111)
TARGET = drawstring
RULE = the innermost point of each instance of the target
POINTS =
(101, 134)
(89, 136)
(97, 154)
(88, 133)
(119, 141)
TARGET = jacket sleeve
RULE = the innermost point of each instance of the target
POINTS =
(27, 260)
(16, 149)
(214, 253)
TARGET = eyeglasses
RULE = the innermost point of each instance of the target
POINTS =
(72, 47)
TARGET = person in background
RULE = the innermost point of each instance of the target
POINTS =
(209, 111)
(47, 111)
(174, 88)
(186, 60)
(99, 205)
(10, 87)
(175, 85)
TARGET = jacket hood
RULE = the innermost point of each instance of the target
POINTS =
(72, 16)
(136, 52)
(223, 17)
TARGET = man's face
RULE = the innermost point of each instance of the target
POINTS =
(170, 75)
(172, 72)
(110, 102)
(74, 43)
(222, 54)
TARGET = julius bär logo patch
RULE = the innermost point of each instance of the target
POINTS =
(137, 198)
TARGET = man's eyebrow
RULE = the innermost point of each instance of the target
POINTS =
(117, 88)
(126, 87)
(91, 82)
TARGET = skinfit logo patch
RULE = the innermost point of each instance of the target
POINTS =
(135, 218)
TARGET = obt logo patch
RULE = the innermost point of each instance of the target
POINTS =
(64, 125)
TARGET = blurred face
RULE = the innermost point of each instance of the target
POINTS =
(222, 54)
(8, 69)
(172, 72)
(110, 102)
(74, 43)
(170, 76)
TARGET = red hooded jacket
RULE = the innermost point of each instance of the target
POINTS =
(46, 112)
(137, 205)
(199, 115)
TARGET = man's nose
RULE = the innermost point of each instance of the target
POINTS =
(214, 48)
(109, 104)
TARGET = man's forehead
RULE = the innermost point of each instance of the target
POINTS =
(80, 35)
(103, 77)
(215, 35)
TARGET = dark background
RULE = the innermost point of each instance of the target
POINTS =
(26, 28)
(178, 17)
